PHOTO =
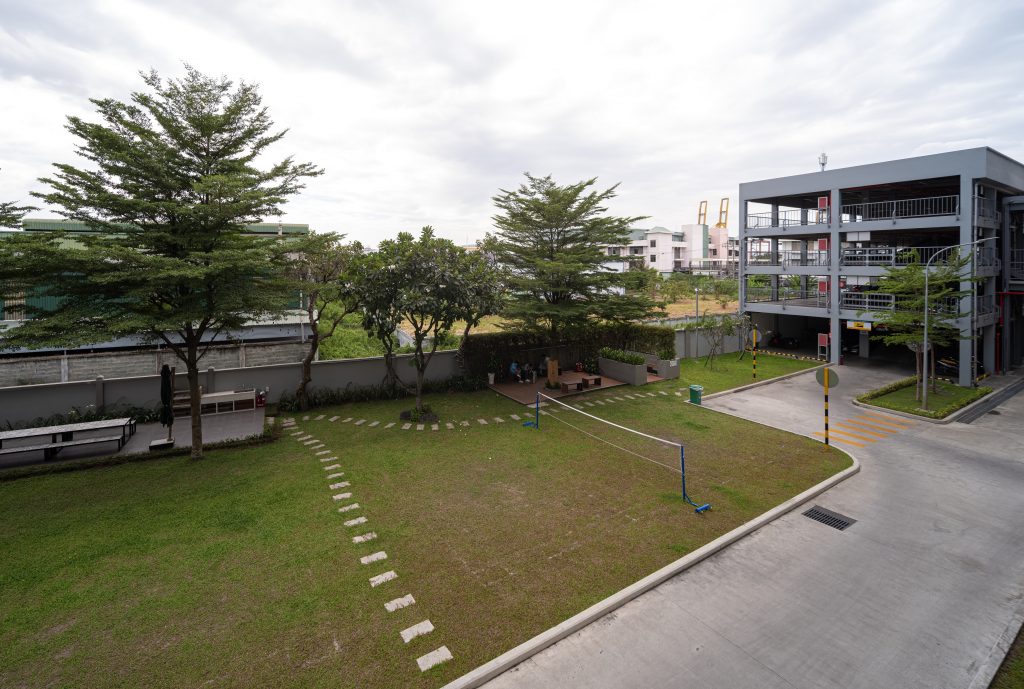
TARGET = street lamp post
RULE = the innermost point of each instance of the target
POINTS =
(924, 347)
(696, 296)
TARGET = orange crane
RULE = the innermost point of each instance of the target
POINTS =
(723, 213)
(702, 213)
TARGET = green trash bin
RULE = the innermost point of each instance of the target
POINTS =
(695, 393)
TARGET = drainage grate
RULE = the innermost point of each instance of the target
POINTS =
(829, 518)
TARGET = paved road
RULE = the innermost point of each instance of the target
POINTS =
(915, 594)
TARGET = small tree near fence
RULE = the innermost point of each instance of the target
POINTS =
(717, 329)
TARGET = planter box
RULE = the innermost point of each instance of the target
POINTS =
(630, 374)
(665, 368)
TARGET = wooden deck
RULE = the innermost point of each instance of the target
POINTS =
(526, 393)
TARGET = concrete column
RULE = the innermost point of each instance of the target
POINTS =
(988, 348)
(775, 215)
(743, 251)
(64, 367)
(209, 379)
(833, 275)
(967, 303)
(864, 344)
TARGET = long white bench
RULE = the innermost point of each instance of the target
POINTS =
(51, 449)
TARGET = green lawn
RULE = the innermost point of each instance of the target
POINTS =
(941, 404)
(237, 570)
(1011, 672)
(730, 371)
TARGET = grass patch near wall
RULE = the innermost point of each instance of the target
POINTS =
(1011, 673)
(730, 372)
(900, 396)
(237, 570)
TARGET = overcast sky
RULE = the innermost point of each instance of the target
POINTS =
(420, 111)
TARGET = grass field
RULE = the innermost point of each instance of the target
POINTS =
(948, 399)
(1011, 672)
(730, 371)
(237, 570)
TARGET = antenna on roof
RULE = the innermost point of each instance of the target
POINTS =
(823, 161)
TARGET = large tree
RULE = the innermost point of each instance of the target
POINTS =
(904, 324)
(324, 269)
(427, 283)
(554, 241)
(170, 181)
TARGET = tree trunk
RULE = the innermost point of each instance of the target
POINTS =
(419, 388)
(195, 402)
(307, 370)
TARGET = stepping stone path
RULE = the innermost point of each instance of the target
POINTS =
(305, 418)
(337, 475)
(360, 422)
(373, 423)
(349, 508)
(333, 419)
(514, 417)
(662, 392)
(364, 538)
(399, 603)
(319, 417)
(406, 426)
(390, 425)
(464, 423)
(589, 404)
(434, 426)
(374, 557)
(498, 419)
(441, 655)
(323, 452)
(419, 629)
(419, 427)
(449, 426)
(356, 522)
(333, 466)
(342, 496)
(382, 578)
(328, 459)
(339, 486)
(483, 422)
(346, 420)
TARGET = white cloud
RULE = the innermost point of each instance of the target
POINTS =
(420, 111)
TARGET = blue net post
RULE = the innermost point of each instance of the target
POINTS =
(682, 470)
(536, 413)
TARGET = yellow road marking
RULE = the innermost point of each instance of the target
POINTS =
(842, 440)
(880, 424)
(871, 426)
(859, 430)
(898, 420)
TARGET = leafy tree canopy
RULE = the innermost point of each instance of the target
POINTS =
(553, 241)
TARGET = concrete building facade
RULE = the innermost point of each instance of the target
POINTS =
(813, 246)
(659, 248)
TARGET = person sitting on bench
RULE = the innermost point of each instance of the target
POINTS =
(513, 371)
(527, 373)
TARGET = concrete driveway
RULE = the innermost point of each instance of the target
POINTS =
(917, 593)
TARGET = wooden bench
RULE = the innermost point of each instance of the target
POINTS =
(591, 380)
(578, 385)
(51, 449)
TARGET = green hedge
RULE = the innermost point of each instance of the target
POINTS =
(873, 396)
(325, 397)
(484, 353)
(624, 357)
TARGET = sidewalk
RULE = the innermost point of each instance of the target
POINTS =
(917, 593)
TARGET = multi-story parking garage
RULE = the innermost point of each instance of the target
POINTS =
(832, 234)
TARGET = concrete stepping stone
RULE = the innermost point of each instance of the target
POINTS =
(339, 486)
(441, 655)
(514, 417)
(372, 424)
(383, 578)
(333, 419)
(319, 417)
(360, 422)
(342, 496)
(346, 420)
(420, 427)
(418, 629)
(434, 427)
(333, 466)
(390, 425)
(337, 475)
(651, 394)
(317, 446)
(483, 422)
(630, 397)
(356, 522)
(323, 452)
(294, 433)
(305, 418)
(373, 557)
(399, 603)
(498, 419)
(349, 508)
(449, 426)
(328, 459)
(589, 404)
(271, 420)
(679, 394)
(464, 423)
(662, 392)
(311, 441)
(406, 426)
(364, 538)
(599, 402)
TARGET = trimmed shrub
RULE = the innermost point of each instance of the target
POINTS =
(624, 357)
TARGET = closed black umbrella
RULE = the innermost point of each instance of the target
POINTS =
(166, 399)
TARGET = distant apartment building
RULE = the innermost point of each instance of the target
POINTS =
(812, 248)
(659, 248)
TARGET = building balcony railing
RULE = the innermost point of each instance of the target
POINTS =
(788, 296)
(900, 256)
(985, 209)
(1017, 264)
(985, 304)
(788, 258)
(881, 301)
(903, 208)
(787, 218)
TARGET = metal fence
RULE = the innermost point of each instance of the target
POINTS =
(788, 296)
(1017, 264)
(787, 218)
(902, 208)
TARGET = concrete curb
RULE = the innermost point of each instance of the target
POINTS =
(997, 655)
(510, 659)
(762, 382)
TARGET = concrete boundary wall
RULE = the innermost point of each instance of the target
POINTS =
(691, 344)
(24, 403)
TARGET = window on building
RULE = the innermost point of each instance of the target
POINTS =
(613, 251)
(654, 257)
(680, 237)
(654, 243)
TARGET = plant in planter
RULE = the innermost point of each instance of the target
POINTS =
(424, 415)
